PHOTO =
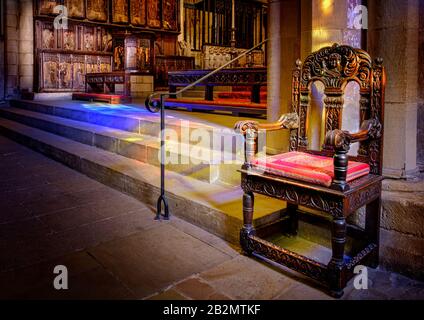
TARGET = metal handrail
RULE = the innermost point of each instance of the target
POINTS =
(155, 106)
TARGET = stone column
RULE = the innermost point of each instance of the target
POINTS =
(11, 42)
(420, 132)
(26, 45)
(19, 46)
(325, 22)
(2, 80)
(283, 49)
(393, 35)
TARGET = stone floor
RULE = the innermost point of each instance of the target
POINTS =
(113, 249)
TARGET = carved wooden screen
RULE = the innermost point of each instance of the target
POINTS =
(336, 66)
(209, 22)
(66, 55)
(87, 45)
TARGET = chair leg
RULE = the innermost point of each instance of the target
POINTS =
(248, 204)
(293, 222)
(335, 267)
(372, 228)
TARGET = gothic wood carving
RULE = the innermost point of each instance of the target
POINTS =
(335, 66)
(294, 194)
(309, 267)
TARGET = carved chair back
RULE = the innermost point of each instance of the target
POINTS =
(335, 67)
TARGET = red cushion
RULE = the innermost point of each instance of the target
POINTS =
(308, 167)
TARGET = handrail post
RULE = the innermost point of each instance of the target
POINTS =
(162, 198)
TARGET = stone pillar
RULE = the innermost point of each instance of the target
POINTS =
(26, 45)
(393, 35)
(325, 22)
(11, 42)
(420, 129)
(19, 46)
(282, 51)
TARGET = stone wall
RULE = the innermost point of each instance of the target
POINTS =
(141, 86)
(402, 227)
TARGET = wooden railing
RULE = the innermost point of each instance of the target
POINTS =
(252, 77)
(165, 64)
(105, 82)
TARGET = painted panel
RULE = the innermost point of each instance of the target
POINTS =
(47, 6)
(154, 13)
(78, 69)
(97, 10)
(69, 40)
(138, 12)
(120, 11)
(50, 71)
(76, 8)
(170, 14)
(65, 71)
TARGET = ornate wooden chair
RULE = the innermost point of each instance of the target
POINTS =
(328, 180)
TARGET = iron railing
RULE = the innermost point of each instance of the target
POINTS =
(155, 105)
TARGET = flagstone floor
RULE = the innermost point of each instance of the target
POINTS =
(113, 249)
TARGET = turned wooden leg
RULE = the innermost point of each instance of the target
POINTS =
(372, 228)
(293, 221)
(335, 267)
(248, 202)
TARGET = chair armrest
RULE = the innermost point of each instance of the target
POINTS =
(250, 128)
(341, 140)
(286, 121)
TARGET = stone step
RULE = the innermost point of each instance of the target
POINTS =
(137, 120)
(215, 208)
(199, 163)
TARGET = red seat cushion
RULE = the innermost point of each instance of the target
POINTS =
(308, 167)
